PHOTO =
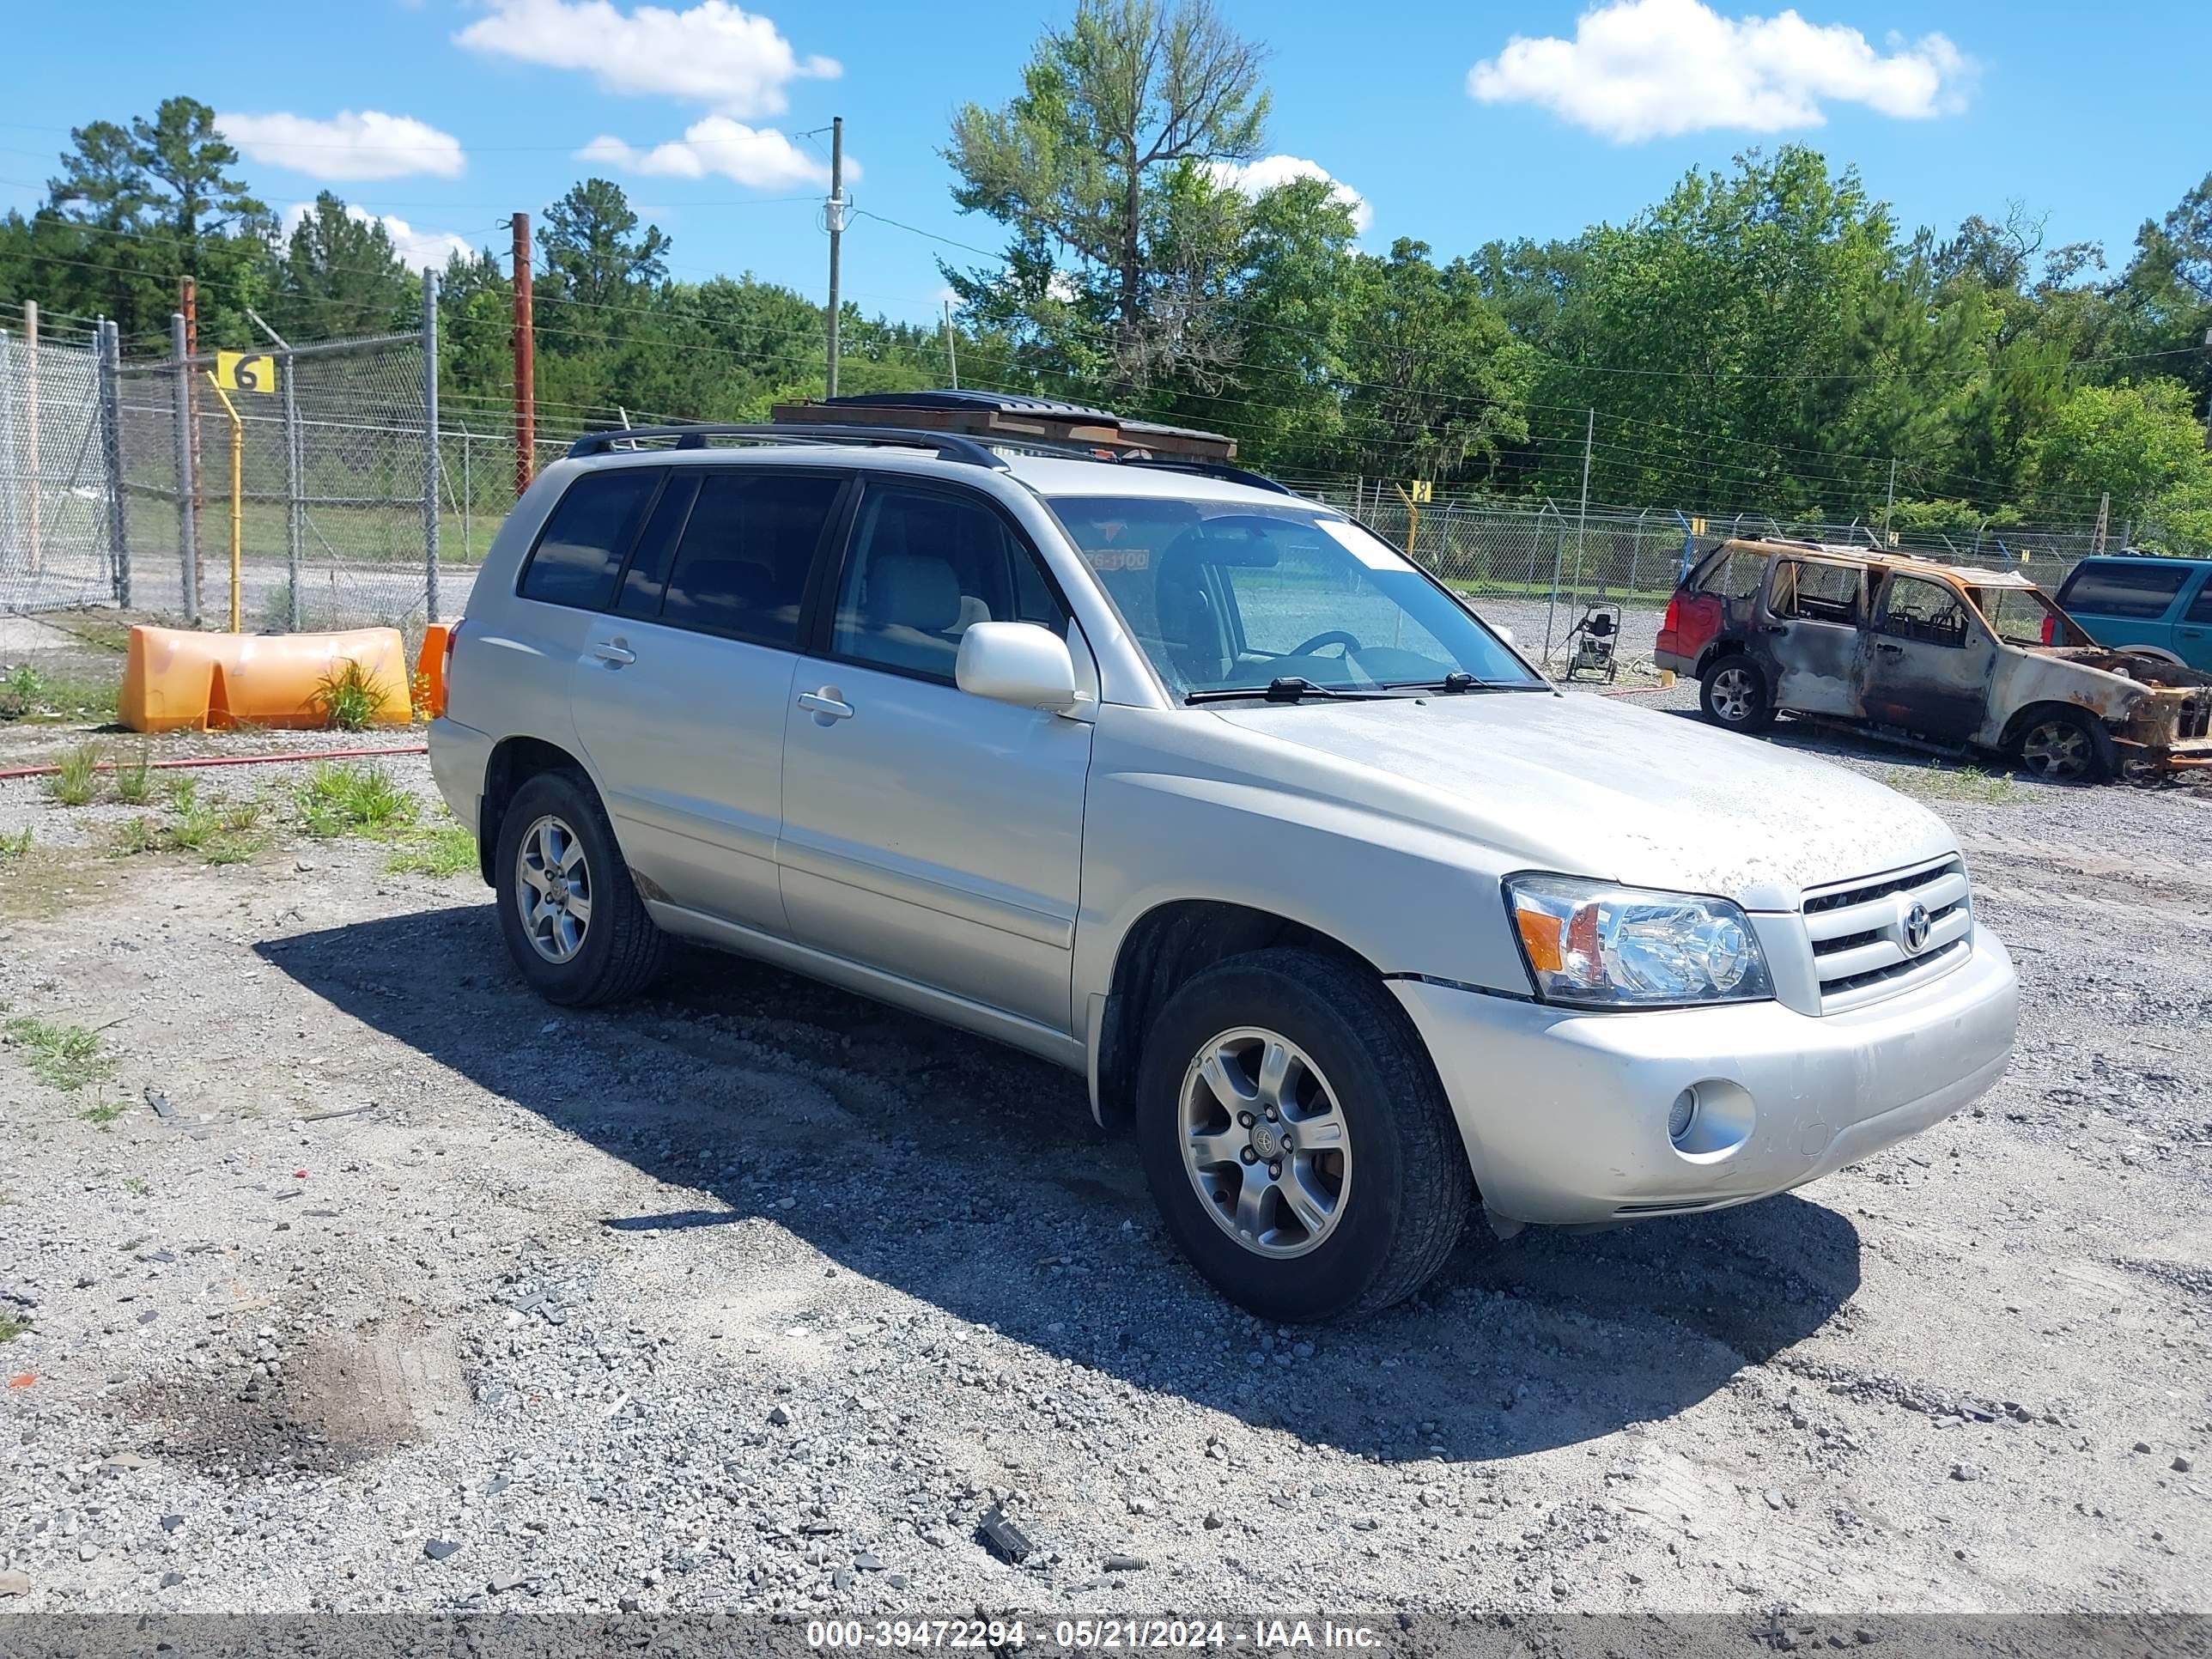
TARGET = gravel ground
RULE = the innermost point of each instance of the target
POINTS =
(362, 1280)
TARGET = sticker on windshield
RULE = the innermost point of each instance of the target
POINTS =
(1375, 555)
(1119, 558)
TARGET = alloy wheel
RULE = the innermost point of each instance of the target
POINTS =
(553, 889)
(1264, 1142)
(1736, 694)
(2056, 749)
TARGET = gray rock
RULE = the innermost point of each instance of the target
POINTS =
(14, 1584)
(780, 1416)
(170, 1580)
(1775, 1500)
(2182, 1465)
(868, 1561)
(1213, 1521)
(439, 1548)
(171, 1523)
(1966, 1471)
(500, 1583)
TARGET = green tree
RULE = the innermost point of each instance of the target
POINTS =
(2139, 441)
(341, 275)
(594, 251)
(1094, 158)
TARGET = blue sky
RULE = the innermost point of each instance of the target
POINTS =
(447, 116)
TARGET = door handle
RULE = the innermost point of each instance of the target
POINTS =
(1774, 628)
(825, 705)
(1887, 649)
(613, 651)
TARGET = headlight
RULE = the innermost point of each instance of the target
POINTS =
(1590, 944)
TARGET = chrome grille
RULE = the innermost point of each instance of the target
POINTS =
(1862, 932)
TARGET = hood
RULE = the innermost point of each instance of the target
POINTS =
(1589, 786)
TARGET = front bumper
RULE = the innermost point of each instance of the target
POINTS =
(1563, 1113)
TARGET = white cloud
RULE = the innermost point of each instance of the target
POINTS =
(1650, 69)
(1252, 178)
(367, 145)
(758, 156)
(713, 54)
(416, 248)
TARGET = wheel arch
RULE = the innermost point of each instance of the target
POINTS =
(514, 762)
(1726, 646)
(1166, 948)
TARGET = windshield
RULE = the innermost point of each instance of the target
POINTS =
(2022, 616)
(1230, 596)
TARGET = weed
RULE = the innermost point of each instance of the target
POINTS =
(134, 780)
(349, 699)
(185, 792)
(22, 691)
(141, 833)
(16, 847)
(446, 850)
(1968, 783)
(66, 1056)
(28, 693)
(12, 1325)
(76, 777)
(138, 1186)
(102, 1113)
(353, 800)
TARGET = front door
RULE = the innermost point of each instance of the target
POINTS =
(1930, 665)
(1810, 615)
(682, 682)
(927, 833)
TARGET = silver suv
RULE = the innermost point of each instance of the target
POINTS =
(1203, 791)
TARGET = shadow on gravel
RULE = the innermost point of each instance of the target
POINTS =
(972, 1179)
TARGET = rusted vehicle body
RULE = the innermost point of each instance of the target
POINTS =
(1942, 655)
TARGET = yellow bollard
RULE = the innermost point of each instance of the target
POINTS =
(237, 498)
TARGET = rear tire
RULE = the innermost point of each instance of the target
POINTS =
(1364, 1212)
(1735, 697)
(568, 909)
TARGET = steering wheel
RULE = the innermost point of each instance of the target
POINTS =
(1334, 636)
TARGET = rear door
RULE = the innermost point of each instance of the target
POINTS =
(682, 683)
(2124, 602)
(1931, 660)
(927, 833)
(1812, 612)
(2192, 635)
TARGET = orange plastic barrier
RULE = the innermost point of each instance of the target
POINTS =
(430, 670)
(175, 678)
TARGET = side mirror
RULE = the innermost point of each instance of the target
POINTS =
(1019, 663)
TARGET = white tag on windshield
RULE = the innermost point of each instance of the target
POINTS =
(1374, 554)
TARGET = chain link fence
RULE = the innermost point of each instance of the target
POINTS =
(56, 534)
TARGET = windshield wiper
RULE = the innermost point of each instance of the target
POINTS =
(1288, 688)
(1459, 680)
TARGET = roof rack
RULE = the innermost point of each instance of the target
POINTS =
(948, 445)
(1016, 421)
(1220, 470)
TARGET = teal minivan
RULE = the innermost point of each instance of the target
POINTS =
(2142, 603)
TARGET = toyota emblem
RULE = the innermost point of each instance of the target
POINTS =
(1917, 924)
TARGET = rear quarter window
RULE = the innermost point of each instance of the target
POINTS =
(2140, 590)
(1733, 573)
(585, 540)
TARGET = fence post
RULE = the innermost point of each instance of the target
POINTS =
(188, 557)
(468, 491)
(10, 504)
(110, 337)
(295, 506)
(430, 442)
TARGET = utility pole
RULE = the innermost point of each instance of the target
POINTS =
(835, 219)
(2104, 523)
(525, 367)
(951, 351)
(188, 301)
(1889, 507)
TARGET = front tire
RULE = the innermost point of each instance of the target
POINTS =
(1735, 697)
(568, 909)
(1296, 1138)
(2061, 745)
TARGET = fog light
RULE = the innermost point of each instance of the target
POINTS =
(1680, 1116)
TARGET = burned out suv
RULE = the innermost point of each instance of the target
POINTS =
(1150, 767)
(1940, 656)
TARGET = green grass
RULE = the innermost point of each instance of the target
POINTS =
(15, 848)
(220, 831)
(134, 780)
(76, 780)
(12, 1325)
(67, 1057)
(353, 800)
(28, 693)
(445, 849)
(102, 1113)
(1969, 784)
(349, 698)
(138, 1186)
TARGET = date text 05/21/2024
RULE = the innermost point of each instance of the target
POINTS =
(1093, 1635)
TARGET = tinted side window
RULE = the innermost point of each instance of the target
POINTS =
(1734, 574)
(646, 579)
(741, 567)
(2124, 590)
(924, 568)
(1923, 611)
(590, 530)
(2200, 608)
